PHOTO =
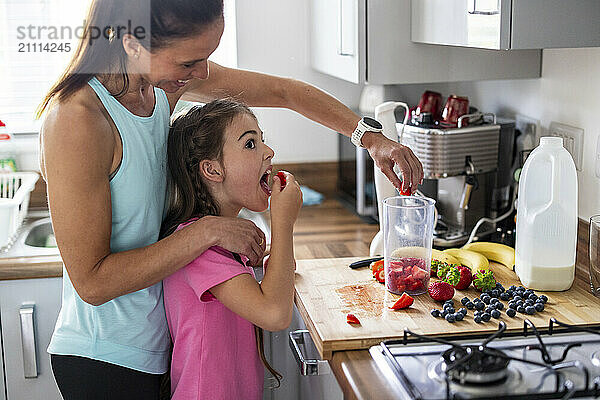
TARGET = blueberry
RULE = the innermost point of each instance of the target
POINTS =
(459, 316)
(480, 306)
(510, 293)
(477, 319)
(450, 318)
(494, 301)
(451, 302)
(463, 311)
(504, 296)
(444, 313)
(487, 299)
(512, 287)
(517, 298)
(511, 312)
(477, 312)
(530, 310)
(486, 317)
(436, 313)
(533, 297)
(464, 301)
(543, 298)
(539, 306)
(520, 303)
(450, 310)
(499, 306)
(495, 293)
(521, 309)
(528, 292)
(470, 305)
(529, 302)
(489, 309)
(512, 304)
(495, 314)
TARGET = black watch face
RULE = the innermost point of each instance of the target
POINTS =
(373, 123)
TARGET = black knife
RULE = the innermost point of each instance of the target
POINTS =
(364, 263)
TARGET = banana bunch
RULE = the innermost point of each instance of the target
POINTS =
(494, 252)
(474, 260)
(443, 257)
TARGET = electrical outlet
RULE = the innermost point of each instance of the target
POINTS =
(572, 140)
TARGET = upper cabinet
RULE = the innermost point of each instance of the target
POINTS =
(370, 41)
(506, 24)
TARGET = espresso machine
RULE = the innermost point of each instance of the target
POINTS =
(467, 171)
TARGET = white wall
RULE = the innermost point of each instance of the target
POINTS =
(273, 37)
(568, 92)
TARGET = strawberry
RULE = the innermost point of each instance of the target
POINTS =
(282, 179)
(460, 277)
(404, 301)
(351, 319)
(484, 280)
(380, 276)
(441, 268)
(440, 291)
(376, 266)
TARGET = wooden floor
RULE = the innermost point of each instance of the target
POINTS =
(330, 230)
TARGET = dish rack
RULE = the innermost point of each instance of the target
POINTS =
(15, 189)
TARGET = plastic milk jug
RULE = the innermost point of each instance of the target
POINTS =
(546, 235)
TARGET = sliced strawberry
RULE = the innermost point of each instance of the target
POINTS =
(351, 319)
(282, 179)
(404, 301)
(376, 267)
(380, 276)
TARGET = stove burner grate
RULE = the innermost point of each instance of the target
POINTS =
(478, 366)
(475, 364)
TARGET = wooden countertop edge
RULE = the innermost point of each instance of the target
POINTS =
(31, 267)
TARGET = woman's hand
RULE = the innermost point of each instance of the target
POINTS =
(286, 201)
(386, 153)
(237, 235)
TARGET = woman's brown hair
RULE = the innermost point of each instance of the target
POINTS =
(199, 135)
(154, 23)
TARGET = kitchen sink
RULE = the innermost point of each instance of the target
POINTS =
(34, 238)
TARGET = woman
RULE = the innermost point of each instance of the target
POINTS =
(104, 161)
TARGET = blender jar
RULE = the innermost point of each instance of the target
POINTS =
(407, 239)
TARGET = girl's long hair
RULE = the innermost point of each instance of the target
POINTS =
(154, 23)
(198, 135)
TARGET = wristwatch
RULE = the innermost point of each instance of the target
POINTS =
(366, 124)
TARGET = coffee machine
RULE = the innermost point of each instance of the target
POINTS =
(467, 170)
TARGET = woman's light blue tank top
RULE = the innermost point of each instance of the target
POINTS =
(130, 330)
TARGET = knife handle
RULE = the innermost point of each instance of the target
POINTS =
(364, 263)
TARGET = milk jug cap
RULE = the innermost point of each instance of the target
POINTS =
(551, 141)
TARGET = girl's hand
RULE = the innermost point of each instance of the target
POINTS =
(237, 235)
(286, 201)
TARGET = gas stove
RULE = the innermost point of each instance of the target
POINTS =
(562, 363)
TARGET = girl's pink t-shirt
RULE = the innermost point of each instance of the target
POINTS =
(214, 350)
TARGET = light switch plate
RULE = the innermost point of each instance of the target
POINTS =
(572, 140)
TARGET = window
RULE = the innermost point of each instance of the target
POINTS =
(31, 60)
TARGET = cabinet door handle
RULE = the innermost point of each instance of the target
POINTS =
(345, 45)
(307, 367)
(475, 11)
(28, 340)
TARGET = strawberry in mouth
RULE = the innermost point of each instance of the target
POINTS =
(264, 181)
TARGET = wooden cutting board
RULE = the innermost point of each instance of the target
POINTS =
(327, 290)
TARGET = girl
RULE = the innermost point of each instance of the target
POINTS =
(218, 164)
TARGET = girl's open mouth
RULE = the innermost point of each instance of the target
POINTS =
(264, 182)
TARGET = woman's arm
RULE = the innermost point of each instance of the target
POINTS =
(261, 90)
(78, 150)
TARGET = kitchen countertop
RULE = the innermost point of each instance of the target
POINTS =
(322, 231)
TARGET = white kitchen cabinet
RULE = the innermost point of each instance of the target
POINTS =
(370, 41)
(28, 312)
(294, 385)
(507, 24)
